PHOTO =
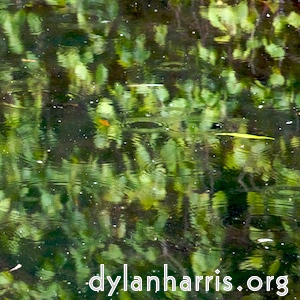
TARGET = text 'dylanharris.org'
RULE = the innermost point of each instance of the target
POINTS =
(106, 284)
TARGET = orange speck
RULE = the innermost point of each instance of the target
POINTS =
(104, 122)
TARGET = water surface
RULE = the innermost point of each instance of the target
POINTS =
(149, 134)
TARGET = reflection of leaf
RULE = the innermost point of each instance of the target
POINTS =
(275, 51)
(279, 23)
(6, 278)
(81, 71)
(114, 253)
(178, 106)
(142, 156)
(202, 265)
(274, 268)
(293, 19)
(11, 26)
(213, 17)
(222, 39)
(82, 271)
(276, 79)
(168, 153)
(45, 275)
(105, 108)
(219, 200)
(162, 93)
(253, 262)
(4, 204)
(160, 34)
(140, 54)
(207, 54)
(35, 23)
(101, 74)
(245, 136)
(232, 83)
(227, 18)
(151, 254)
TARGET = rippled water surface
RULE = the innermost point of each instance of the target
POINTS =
(149, 138)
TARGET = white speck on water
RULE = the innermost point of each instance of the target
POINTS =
(264, 240)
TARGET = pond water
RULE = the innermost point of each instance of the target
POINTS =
(149, 138)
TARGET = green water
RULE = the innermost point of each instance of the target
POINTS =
(136, 135)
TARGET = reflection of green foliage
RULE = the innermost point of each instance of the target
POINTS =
(11, 25)
(128, 169)
(131, 53)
